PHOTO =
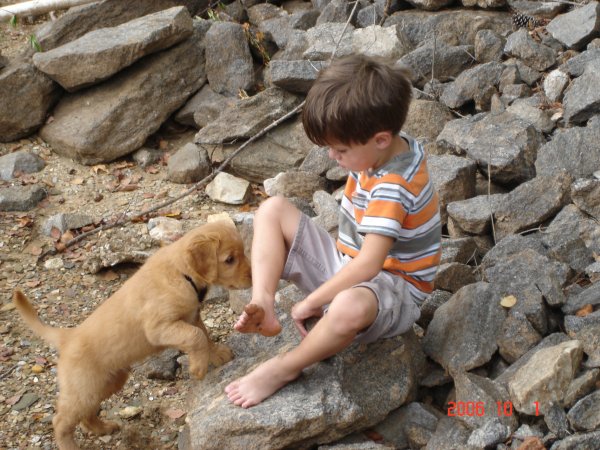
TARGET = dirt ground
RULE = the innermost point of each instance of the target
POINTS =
(67, 294)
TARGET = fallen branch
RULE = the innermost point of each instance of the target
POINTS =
(124, 219)
(37, 7)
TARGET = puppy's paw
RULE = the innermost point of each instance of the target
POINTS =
(220, 354)
(100, 427)
(198, 369)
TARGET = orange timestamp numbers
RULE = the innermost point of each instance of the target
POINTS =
(460, 409)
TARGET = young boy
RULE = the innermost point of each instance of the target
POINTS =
(369, 283)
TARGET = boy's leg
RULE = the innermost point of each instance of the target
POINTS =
(275, 225)
(350, 312)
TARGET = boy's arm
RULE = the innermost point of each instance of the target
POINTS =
(363, 267)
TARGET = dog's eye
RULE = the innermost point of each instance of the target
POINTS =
(229, 260)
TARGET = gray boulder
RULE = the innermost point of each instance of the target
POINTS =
(27, 95)
(229, 65)
(450, 434)
(454, 27)
(575, 66)
(322, 40)
(489, 46)
(21, 198)
(16, 163)
(80, 20)
(455, 339)
(586, 330)
(425, 121)
(585, 415)
(453, 178)
(583, 155)
(283, 147)
(531, 203)
(566, 238)
(474, 215)
(294, 76)
(501, 143)
(475, 389)
(578, 441)
(476, 84)
(204, 107)
(328, 401)
(116, 117)
(585, 194)
(245, 118)
(189, 164)
(100, 54)
(450, 62)
(577, 27)
(536, 55)
(581, 101)
(544, 379)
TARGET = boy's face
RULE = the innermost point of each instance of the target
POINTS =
(359, 157)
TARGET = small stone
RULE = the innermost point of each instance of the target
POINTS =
(54, 263)
(129, 412)
(8, 307)
(26, 401)
(36, 368)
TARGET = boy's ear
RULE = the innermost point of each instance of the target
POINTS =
(383, 139)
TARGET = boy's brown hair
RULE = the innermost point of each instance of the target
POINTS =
(355, 98)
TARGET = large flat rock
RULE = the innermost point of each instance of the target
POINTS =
(116, 117)
(350, 391)
(100, 54)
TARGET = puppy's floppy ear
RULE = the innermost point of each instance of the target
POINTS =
(201, 256)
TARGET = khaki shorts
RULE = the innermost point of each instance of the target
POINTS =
(314, 259)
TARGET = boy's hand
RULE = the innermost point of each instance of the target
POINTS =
(302, 311)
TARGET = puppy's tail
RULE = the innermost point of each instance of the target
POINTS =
(52, 335)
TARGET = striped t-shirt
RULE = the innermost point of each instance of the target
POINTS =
(398, 200)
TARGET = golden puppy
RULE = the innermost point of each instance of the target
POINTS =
(157, 308)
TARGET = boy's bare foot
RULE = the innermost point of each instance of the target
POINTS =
(259, 384)
(254, 319)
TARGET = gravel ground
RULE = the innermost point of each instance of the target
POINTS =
(66, 295)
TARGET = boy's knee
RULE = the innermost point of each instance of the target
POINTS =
(353, 309)
(273, 205)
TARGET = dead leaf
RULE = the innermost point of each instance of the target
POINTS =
(124, 165)
(174, 413)
(174, 214)
(99, 168)
(509, 301)
(163, 145)
(55, 233)
(373, 435)
(148, 195)
(13, 400)
(127, 187)
(587, 309)
(60, 247)
(152, 169)
(108, 275)
(67, 236)
(25, 222)
(33, 283)
(77, 181)
(34, 250)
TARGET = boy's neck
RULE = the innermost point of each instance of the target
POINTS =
(398, 146)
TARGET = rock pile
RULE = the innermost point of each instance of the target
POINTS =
(507, 351)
